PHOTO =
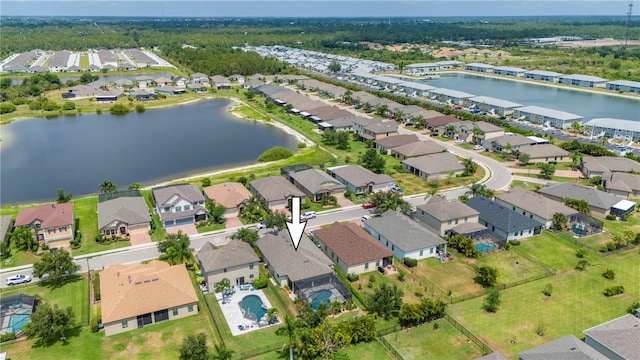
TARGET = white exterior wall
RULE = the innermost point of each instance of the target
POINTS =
(547, 222)
(232, 274)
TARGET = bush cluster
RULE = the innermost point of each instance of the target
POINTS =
(7, 337)
(614, 290)
(260, 282)
(353, 277)
(410, 262)
(275, 153)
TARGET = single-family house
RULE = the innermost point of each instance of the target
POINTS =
(143, 95)
(170, 90)
(231, 195)
(275, 190)
(434, 166)
(316, 183)
(220, 82)
(123, 216)
(503, 222)
(52, 224)
(440, 215)
(235, 261)
(352, 248)
(237, 78)
(134, 296)
(415, 149)
(198, 78)
(163, 81)
(391, 142)
(533, 205)
(379, 129)
(6, 227)
(181, 204)
(339, 124)
(405, 237)
(515, 141)
(600, 202)
(360, 180)
(617, 339)
(604, 166)
(625, 185)
(567, 347)
(545, 153)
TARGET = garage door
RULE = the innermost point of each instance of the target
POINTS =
(186, 221)
(168, 224)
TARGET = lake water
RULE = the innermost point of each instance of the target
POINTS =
(76, 153)
(587, 104)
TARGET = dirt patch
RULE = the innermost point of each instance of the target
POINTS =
(449, 52)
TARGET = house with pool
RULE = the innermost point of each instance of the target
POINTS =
(352, 248)
(502, 222)
(307, 271)
(235, 261)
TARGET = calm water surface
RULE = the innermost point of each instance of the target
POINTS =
(589, 105)
(76, 153)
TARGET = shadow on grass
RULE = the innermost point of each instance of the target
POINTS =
(65, 337)
(68, 279)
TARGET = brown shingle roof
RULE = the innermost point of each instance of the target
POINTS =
(131, 290)
(444, 210)
(235, 253)
(441, 120)
(352, 244)
(419, 148)
(229, 195)
(390, 142)
(50, 215)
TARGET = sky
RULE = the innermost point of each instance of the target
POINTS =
(313, 8)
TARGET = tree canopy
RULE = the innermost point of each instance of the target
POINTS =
(57, 265)
(194, 347)
(49, 323)
(176, 249)
(372, 160)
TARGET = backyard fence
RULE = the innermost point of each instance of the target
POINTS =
(259, 351)
(278, 296)
(213, 319)
(396, 355)
(347, 283)
(483, 347)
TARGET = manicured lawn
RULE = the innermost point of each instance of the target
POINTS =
(455, 276)
(212, 227)
(555, 178)
(74, 294)
(410, 286)
(511, 265)
(550, 251)
(423, 342)
(576, 303)
(81, 344)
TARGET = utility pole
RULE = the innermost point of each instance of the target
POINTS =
(625, 36)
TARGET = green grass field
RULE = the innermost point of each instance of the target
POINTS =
(84, 61)
(423, 342)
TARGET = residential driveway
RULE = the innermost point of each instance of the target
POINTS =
(139, 237)
(233, 222)
(186, 229)
(342, 201)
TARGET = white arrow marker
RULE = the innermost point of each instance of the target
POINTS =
(296, 228)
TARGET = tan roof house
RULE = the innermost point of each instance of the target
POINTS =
(440, 215)
(134, 296)
(235, 261)
(275, 190)
(352, 248)
(163, 81)
(220, 82)
(533, 205)
(53, 224)
(316, 183)
(604, 165)
(434, 166)
(623, 184)
(545, 153)
(391, 142)
(231, 195)
(416, 149)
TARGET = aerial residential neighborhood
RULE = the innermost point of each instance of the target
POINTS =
(318, 187)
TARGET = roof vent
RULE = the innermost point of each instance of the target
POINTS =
(573, 348)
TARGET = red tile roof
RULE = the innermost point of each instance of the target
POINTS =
(49, 215)
(351, 243)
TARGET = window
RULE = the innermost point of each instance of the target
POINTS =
(250, 276)
(421, 252)
(421, 212)
(225, 270)
(377, 263)
(531, 216)
(190, 308)
(175, 312)
(431, 251)
(366, 266)
(393, 248)
(125, 324)
(513, 208)
(251, 266)
(456, 221)
(465, 219)
(38, 226)
(448, 222)
(187, 207)
(178, 208)
(167, 209)
(63, 228)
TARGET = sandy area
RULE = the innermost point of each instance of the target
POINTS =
(448, 52)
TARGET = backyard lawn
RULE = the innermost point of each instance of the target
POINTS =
(371, 351)
(576, 304)
(423, 342)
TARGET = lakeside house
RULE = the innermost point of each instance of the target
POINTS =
(360, 180)
(124, 216)
(316, 183)
(52, 224)
(134, 296)
(179, 205)
(231, 195)
(434, 166)
(276, 191)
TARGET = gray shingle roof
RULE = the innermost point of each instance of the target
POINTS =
(403, 232)
(500, 216)
(6, 222)
(381, 127)
(443, 210)
(565, 348)
(346, 121)
(359, 176)
(235, 253)
(534, 203)
(391, 142)
(609, 163)
(275, 188)
(163, 195)
(594, 197)
(513, 139)
(621, 335)
(624, 182)
(419, 148)
(435, 163)
(543, 151)
(307, 262)
(316, 181)
(129, 210)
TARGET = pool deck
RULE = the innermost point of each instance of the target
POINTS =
(233, 314)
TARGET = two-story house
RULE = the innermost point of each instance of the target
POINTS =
(52, 224)
(181, 204)
(235, 261)
(442, 215)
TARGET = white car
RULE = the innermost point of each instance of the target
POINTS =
(365, 217)
(459, 141)
(18, 279)
(309, 215)
(478, 147)
(260, 226)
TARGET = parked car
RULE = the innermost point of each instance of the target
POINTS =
(18, 279)
(368, 205)
(459, 141)
(478, 147)
(261, 225)
(397, 189)
(309, 215)
(365, 217)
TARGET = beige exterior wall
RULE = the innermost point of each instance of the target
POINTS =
(442, 227)
(551, 159)
(57, 236)
(116, 327)
(232, 274)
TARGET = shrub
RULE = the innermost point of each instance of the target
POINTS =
(260, 282)
(7, 337)
(301, 145)
(119, 109)
(372, 278)
(50, 106)
(582, 265)
(514, 242)
(611, 217)
(436, 326)
(95, 324)
(547, 289)
(410, 262)
(614, 290)
(401, 275)
(98, 111)
(96, 287)
(611, 246)
(69, 105)
(353, 277)
(6, 108)
(140, 108)
(275, 153)
(609, 274)
(633, 308)
(580, 253)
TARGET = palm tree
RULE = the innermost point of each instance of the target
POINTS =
(476, 135)
(603, 140)
(175, 249)
(479, 189)
(449, 130)
(107, 186)
(508, 149)
(576, 126)
(399, 114)
(576, 158)
(348, 96)
(289, 329)
(220, 352)
(221, 285)
(382, 109)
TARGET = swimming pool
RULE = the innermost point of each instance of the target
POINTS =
(19, 319)
(253, 307)
(320, 296)
(485, 247)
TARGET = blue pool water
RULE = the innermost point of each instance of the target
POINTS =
(19, 319)
(485, 247)
(320, 296)
(253, 304)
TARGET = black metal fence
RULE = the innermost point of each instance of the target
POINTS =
(396, 355)
(259, 351)
(483, 347)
